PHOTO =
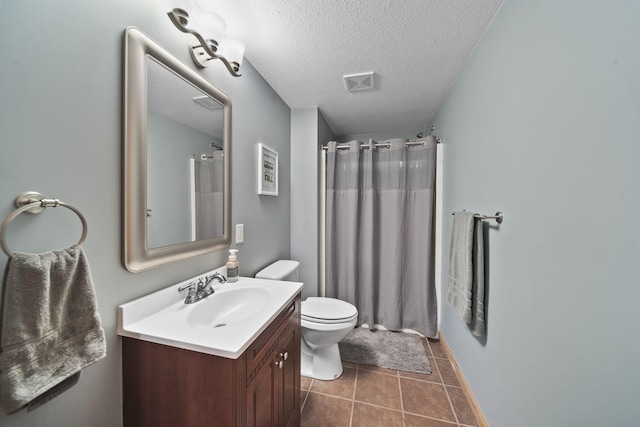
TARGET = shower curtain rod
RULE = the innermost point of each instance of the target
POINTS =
(380, 144)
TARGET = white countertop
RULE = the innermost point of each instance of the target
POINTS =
(163, 318)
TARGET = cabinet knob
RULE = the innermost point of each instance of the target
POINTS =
(284, 355)
(280, 364)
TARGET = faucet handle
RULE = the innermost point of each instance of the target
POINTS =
(192, 296)
(189, 286)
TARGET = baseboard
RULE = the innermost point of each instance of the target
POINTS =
(475, 408)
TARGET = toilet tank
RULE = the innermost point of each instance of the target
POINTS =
(286, 270)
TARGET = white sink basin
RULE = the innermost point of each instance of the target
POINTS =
(223, 324)
(229, 306)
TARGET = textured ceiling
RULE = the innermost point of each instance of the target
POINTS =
(416, 48)
(174, 98)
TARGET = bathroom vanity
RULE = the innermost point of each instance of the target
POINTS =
(199, 381)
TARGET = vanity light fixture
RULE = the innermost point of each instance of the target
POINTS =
(209, 30)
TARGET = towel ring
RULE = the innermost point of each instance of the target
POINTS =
(33, 203)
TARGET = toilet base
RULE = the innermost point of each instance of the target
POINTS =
(322, 363)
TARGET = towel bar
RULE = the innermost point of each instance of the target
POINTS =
(33, 203)
(498, 216)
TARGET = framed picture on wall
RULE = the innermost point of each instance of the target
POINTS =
(267, 170)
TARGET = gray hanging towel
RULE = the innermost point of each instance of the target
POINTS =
(466, 271)
(50, 326)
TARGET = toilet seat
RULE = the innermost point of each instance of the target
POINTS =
(327, 310)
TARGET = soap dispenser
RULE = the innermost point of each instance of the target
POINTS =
(232, 266)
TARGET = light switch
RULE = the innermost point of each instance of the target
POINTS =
(239, 233)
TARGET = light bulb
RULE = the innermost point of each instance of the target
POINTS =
(232, 50)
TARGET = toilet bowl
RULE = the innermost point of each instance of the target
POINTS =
(324, 321)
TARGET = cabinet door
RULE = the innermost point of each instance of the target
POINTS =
(273, 392)
(289, 391)
(262, 404)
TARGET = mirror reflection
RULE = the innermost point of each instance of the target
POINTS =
(184, 160)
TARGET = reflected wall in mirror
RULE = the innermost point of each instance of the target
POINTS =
(184, 160)
(176, 160)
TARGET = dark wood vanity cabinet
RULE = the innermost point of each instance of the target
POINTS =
(168, 386)
(273, 390)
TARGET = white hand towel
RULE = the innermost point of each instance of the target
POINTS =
(50, 326)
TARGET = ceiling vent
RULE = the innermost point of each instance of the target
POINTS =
(359, 82)
(207, 102)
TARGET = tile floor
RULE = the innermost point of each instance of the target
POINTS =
(366, 396)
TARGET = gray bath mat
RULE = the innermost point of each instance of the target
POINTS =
(385, 349)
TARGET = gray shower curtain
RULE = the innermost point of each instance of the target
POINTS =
(379, 233)
(209, 182)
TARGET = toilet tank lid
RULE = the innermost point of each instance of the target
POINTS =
(278, 269)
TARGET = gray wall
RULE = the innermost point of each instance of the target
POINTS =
(308, 131)
(543, 125)
(60, 130)
(169, 163)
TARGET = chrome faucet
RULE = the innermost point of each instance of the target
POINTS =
(204, 288)
(218, 276)
(192, 296)
(201, 289)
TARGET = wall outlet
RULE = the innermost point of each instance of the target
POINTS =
(239, 233)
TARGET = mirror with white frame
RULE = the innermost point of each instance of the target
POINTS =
(177, 169)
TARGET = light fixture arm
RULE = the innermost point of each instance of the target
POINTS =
(201, 50)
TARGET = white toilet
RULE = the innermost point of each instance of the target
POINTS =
(325, 322)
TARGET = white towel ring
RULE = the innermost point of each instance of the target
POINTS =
(33, 203)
